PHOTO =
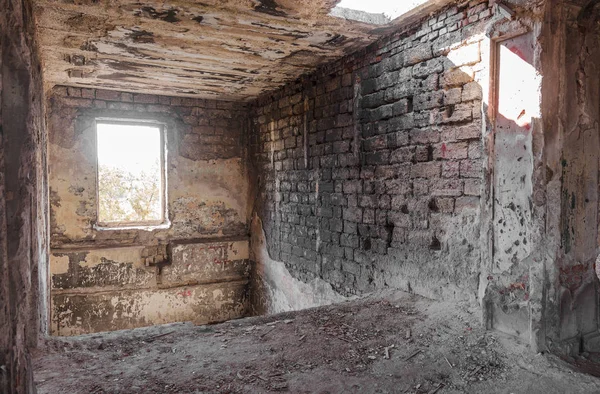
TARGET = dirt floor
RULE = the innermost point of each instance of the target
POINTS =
(390, 343)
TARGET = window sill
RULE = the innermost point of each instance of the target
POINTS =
(126, 227)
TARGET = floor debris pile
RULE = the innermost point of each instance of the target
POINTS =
(389, 343)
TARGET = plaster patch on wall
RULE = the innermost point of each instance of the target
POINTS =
(206, 262)
(239, 250)
(209, 194)
(59, 264)
(279, 290)
(73, 209)
(112, 267)
(518, 102)
(452, 272)
(82, 313)
(131, 255)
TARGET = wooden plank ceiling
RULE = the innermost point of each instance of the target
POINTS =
(223, 49)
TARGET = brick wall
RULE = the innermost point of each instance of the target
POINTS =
(369, 171)
(209, 129)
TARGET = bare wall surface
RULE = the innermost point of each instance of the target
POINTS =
(512, 277)
(23, 198)
(198, 268)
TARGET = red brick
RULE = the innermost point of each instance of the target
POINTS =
(145, 99)
(109, 95)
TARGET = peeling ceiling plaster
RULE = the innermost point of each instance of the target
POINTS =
(222, 49)
(214, 49)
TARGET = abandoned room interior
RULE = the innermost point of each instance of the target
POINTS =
(328, 196)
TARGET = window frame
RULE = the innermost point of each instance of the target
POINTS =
(164, 222)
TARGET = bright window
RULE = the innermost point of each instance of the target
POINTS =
(131, 181)
(392, 9)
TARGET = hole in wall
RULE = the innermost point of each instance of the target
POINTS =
(389, 229)
(130, 184)
(379, 12)
(435, 244)
(433, 207)
(367, 244)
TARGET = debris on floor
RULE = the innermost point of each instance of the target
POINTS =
(390, 343)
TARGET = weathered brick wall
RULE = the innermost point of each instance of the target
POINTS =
(369, 172)
(209, 129)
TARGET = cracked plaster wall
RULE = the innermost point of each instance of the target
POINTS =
(572, 105)
(23, 198)
(198, 268)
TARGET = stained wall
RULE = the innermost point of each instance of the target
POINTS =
(572, 104)
(197, 268)
(23, 198)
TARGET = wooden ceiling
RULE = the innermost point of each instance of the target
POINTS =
(222, 49)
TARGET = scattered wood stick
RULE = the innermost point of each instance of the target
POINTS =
(342, 339)
(159, 336)
(448, 362)
(265, 333)
(387, 351)
(473, 372)
(412, 355)
(438, 388)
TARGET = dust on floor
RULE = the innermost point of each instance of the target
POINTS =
(389, 343)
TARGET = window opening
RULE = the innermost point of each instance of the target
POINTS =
(131, 179)
(378, 12)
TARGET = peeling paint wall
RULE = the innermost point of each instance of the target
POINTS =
(198, 268)
(212, 49)
(512, 266)
(23, 198)
(572, 150)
